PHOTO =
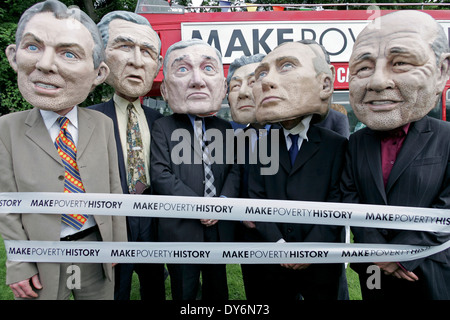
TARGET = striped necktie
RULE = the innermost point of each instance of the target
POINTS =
(135, 152)
(210, 189)
(72, 180)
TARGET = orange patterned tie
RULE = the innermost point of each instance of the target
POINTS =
(72, 182)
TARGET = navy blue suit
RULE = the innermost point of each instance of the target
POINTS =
(151, 276)
(314, 176)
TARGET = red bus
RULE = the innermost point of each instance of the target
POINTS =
(247, 30)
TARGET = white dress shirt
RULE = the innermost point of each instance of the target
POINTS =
(301, 129)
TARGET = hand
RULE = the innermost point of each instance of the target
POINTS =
(393, 269)
(208, 222)
(249, 224)
(296, 266)
(23, 288)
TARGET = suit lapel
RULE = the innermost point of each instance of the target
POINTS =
(85, 129)
(285, 161)
(416, 140)
(308, 149)
(109, 109)
(373, 156)
(38, 133)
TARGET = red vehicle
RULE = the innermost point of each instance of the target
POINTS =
(238, 31)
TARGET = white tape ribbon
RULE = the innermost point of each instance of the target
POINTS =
(238, 209)
(219, 252)
(344, 214)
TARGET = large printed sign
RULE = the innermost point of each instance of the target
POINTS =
(234, 39)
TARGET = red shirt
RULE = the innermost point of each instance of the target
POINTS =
(391, 143)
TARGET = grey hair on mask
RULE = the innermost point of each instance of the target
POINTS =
(61, 12)
(242, 61)
(103, 25)
(184, 44)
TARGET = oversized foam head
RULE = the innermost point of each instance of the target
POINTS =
(240, 80)
(292, 81)
(398, 69)
(58, 56)
(132, 51)
(194, 81)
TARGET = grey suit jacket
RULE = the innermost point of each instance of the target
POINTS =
(29, 163)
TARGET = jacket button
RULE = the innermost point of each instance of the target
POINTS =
(61, 178)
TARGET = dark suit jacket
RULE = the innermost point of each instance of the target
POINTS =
(420, 178)
(109, 109)
(186, 179)
(314, 177)
(337, 122)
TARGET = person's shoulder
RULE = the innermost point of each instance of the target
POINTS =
(220, 123)
(328, 134)
(13, 118)
(99, 106)
(152, 112)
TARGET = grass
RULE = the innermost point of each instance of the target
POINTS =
(235, 283)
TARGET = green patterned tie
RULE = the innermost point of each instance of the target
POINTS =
(135, 151)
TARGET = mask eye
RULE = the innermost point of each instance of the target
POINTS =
(69, 55)
(32, 47)
(287, 66)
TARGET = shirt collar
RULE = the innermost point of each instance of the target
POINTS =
(301, 128)
(122, 104)
(50, 117)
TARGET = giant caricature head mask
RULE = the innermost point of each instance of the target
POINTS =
(194, 81)
(398, 69)
(132, 50)
(58, 57)
(240, 79)
(292, 81)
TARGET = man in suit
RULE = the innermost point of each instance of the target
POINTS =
(294, 85)
(398, 69)
(240, 80)
(194, 86)
(132, 51)
(59, 60)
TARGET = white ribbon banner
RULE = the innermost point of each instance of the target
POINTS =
(344, 214)
(238, 209)
(218, 252)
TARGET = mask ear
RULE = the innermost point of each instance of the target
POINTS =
(102, 74)
(443, 71)
(162, 89)
(11, 55)
(327, 81)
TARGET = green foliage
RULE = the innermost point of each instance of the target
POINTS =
(10, 98)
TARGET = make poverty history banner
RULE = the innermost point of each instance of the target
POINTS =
(343, 214)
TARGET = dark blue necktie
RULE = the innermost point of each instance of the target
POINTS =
(293, 150)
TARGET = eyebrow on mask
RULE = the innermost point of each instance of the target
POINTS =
(288, 58)
(179, 59)
(122, 39)
(363, 56)
(33, 36)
